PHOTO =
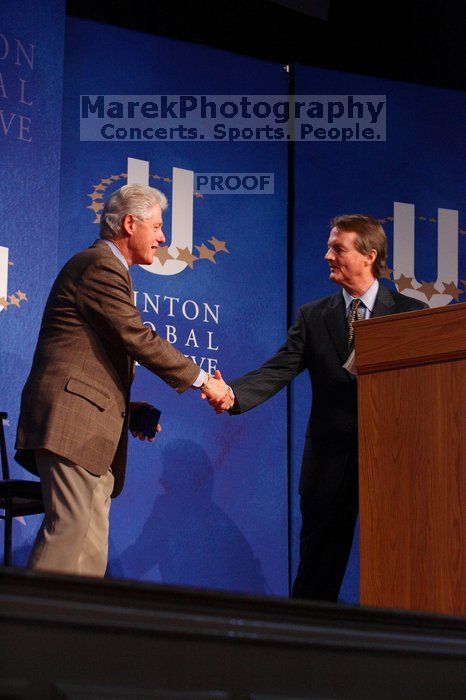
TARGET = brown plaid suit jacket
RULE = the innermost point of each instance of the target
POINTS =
(76, 399)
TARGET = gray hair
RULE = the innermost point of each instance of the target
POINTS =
(138, 200)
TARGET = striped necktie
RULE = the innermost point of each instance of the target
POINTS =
(354, 315)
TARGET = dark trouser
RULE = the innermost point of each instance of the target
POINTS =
(326, 537)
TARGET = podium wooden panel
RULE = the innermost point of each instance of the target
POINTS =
(412, 459)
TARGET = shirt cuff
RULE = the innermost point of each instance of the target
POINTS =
(201, 379)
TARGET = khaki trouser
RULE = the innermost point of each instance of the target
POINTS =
(73, 537)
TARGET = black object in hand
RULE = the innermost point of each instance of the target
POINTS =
(144, 419)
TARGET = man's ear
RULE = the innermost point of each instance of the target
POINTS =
(371, 257)
(128, 224)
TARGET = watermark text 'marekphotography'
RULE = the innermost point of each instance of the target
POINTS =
(232, 118)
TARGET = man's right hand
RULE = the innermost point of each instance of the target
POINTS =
(219, 395)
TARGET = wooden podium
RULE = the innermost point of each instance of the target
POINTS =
(412, 459)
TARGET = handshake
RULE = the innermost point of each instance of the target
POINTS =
(219, 395)
(144, 418)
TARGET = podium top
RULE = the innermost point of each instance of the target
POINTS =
(412, 338)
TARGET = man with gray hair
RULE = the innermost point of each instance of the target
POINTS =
(75, 407)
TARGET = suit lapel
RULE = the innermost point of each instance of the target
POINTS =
(384, 303)
(335, 320)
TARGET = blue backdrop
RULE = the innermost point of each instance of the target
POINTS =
(207, 505)
(31, 76)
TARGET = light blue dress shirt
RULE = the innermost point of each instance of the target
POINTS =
(367, 299)
(117, 252)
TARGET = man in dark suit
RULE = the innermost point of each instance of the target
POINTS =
(75, 406)
(320, 341)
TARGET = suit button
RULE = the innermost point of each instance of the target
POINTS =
(123, 414)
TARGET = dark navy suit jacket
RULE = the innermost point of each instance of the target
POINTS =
(318, 342)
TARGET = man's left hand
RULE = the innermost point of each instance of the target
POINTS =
(142, 419)
(143, 437)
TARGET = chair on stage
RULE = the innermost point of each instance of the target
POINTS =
(18, 497)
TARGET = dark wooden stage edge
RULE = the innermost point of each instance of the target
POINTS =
(79, 639)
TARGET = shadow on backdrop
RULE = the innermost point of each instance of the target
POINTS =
(191, 540)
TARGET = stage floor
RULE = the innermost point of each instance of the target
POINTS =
(80, 638)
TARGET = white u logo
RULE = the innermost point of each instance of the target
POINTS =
(447, 255)
(182, 213)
